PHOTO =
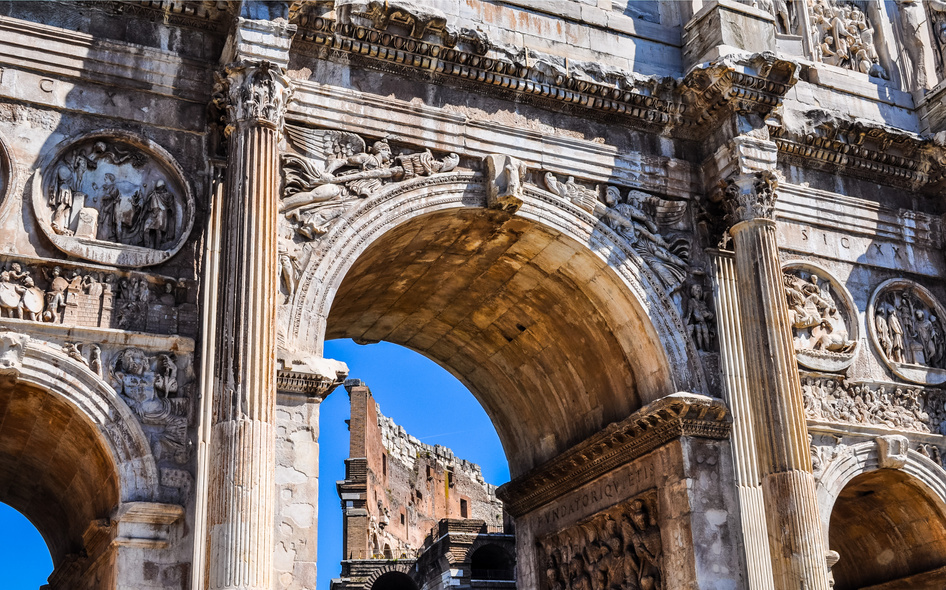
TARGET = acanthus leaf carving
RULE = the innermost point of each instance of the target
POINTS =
(252, 92)
(750, 196)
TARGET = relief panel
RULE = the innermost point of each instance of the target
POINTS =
(114, 198)
(823, 318)
(906, 329)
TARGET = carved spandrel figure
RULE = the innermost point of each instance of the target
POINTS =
(639, 227)
(136, 384)
(338, 168)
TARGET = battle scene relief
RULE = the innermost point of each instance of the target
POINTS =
(620, 548)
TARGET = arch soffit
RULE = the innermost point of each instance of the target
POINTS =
(100, 406)
(366, 223)
(864, 458)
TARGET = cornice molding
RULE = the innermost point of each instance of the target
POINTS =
(654, 425)
(687, 107)
(875, 153)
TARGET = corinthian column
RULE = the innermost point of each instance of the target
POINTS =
(242, 472)
(781, 434)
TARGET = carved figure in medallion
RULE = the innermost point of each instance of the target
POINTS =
(817, 323)
(117, 189)
(908, 331)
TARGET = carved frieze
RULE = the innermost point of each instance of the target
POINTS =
(906, 327)
(823, 318)
(338, 170)
(618, 548)
(832, 399)
(114, 198)
(843, 36)
(71, 296)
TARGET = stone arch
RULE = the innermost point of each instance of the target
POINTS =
(86, 453)
(491, 561)
(623, 314)
(400, 569)
(890, 514)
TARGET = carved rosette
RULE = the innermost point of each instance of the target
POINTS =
(252, 92)
(114, 198)
(906, 327)
(823, 318)
(750, 196)
(617, 548)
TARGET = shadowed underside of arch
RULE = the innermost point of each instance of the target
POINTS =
(53, 467)
(886, 527)
(538, 326)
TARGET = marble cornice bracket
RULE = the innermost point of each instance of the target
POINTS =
(749, 83)
(191, 14)
(654, 425)
(311, 376)
(873, 152)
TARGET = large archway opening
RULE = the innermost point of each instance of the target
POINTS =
(889, 531)
(24, 557)
(537, 325)
(54, 468)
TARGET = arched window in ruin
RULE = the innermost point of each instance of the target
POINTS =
(491, 562)
(394, 581)
(888, 530)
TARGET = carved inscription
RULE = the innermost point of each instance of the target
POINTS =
(619, 548)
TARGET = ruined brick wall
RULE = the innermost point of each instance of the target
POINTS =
(409, 485)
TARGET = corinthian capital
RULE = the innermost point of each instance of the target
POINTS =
(252, 92)
(750, 196)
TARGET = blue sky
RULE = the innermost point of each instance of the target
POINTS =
(419, 395)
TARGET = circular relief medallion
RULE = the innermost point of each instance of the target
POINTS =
(823, 318)
(906, 327)
(114, 198)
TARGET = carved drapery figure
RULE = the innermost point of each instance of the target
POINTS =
(699, 319)
(907, 330)
(843, 36)
(151, 394)
(620, 548)
(339, 168)
(912, 20)
(784, 12)
(817, 324)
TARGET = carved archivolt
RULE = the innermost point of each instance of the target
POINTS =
(907, 330)
(619, 548)
(114, 198)
(823, 317)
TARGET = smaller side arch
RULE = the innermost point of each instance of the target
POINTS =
(46, 369)
(390, 569)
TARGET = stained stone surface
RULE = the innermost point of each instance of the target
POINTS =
(542, 196)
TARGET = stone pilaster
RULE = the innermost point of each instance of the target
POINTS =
(302, 384)
(781, 436)
(242, 474)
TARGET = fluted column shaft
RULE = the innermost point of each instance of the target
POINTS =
(242, 475)
(781, 434)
